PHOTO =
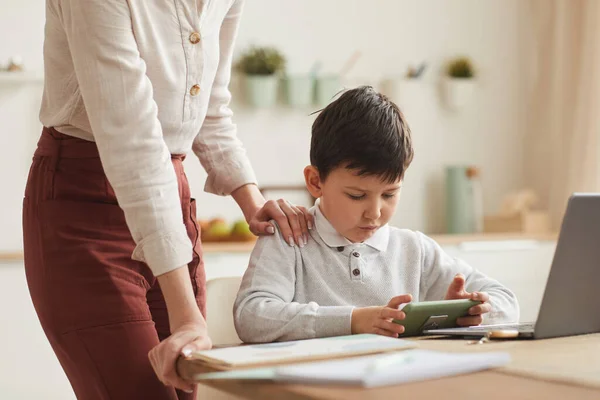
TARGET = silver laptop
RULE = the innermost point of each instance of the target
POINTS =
(569, 306)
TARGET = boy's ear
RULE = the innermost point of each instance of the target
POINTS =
(313, 181)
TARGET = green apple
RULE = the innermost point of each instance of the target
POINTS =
(218, 229)
(241, 228)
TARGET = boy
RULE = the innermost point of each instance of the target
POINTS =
(356, 271)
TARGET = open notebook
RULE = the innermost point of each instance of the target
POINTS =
(372, 370)
(254, 355)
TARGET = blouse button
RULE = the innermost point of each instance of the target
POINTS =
(195, 90)
(195, 37)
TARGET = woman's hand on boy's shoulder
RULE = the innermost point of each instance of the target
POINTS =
(379, 320)
(293, 221)
(457, 291)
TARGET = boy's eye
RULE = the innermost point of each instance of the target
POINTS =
(355, 197)
(388, 195)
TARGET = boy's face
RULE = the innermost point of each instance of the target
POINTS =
(355, 205)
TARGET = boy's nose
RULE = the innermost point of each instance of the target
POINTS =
(373, 212)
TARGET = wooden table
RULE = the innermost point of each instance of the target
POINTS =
(563, 368)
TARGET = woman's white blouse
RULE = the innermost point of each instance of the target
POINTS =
(144, 80)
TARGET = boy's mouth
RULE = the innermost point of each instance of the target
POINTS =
(368, 228)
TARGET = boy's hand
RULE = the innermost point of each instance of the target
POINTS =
(457, 290)
(378, 320)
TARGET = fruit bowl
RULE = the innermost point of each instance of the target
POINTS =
(218, 230)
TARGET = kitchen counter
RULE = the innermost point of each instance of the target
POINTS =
(442, 239)
(446, 239)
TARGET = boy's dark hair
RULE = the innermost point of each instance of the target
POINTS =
(364, 131)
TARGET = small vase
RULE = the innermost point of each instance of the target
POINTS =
(261, 90)
(405, 92)
(299, 90)
(326, 87)
(458, 92)
(464, 207)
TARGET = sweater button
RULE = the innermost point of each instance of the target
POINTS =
(340, 248)
(356, 272)
(356, 254)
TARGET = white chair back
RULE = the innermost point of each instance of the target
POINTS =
(220, 297)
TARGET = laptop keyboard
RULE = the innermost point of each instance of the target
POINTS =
(520, 327)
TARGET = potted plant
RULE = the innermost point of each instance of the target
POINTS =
(460, 82)
(261, 67)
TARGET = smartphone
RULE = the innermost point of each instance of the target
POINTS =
(433, 315)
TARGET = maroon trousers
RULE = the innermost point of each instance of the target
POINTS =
(101, 311)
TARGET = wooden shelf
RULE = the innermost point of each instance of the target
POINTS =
(21, 77)
(11, 256)
(228, 247)
(442, 239)
(246, 247)
(447, 239)
(207, 248)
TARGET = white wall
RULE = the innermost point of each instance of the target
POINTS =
(21, 32)
(390, 35)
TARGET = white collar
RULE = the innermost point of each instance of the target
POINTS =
(332, 238)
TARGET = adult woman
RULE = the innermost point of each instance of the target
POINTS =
(130, 88)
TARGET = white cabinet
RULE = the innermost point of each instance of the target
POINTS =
(218, 265)
(522, 266)
(28, 367)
